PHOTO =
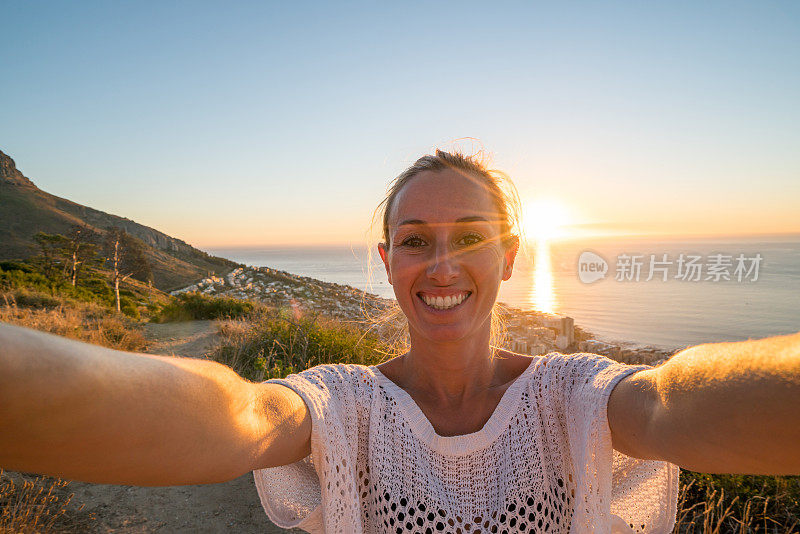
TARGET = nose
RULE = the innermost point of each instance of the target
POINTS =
(443, 266)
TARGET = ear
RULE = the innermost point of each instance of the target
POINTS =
(385, 257)
(512, 247)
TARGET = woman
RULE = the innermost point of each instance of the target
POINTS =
(452, 436)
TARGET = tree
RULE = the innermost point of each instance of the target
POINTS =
(51, 257)
(80, 249)
(125, 256)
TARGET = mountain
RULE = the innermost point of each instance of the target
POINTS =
(25, 210)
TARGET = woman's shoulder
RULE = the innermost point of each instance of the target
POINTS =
(338, 375)
(338, 386)
(586, 363)
(581, 374)
(341, 369)
(514, 364)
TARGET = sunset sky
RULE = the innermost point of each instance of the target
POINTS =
(247, 124)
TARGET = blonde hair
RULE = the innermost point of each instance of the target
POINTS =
(391, 322)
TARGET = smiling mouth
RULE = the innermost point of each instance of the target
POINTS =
(444, 303)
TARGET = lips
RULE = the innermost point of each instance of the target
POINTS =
(444, 302)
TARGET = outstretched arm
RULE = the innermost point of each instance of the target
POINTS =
(89, 413)
(715, 408)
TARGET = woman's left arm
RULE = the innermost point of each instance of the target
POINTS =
(715, 408)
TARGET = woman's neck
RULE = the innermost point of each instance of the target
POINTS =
(449, 371)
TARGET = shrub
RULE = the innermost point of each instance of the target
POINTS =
(194, 306)
(129, 308)
(24, 279)
(93, 287)
(100, 288)
(35, 299)
(16, 266)
(274, 343)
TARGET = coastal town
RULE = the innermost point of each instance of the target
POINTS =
(527, 331)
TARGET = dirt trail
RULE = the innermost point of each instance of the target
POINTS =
(229, 507)
(193, 339)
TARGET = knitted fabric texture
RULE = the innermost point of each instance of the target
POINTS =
(543, 462)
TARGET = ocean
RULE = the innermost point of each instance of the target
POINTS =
(701, 290)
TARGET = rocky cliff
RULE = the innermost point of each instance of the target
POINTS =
(9, 174)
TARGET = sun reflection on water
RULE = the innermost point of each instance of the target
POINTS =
(542, 292)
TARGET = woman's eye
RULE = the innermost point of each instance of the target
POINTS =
(412, 241)
(471, 239)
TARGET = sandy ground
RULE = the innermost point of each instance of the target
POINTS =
(229, 507)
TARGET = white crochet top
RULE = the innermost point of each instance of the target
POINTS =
(543, 462)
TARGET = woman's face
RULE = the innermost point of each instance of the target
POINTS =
(446, 259)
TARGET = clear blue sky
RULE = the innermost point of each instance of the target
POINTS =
(242, 123)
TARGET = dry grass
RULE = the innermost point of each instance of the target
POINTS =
(751, 504)
(39, 505)
(87, 322)
(272, 343)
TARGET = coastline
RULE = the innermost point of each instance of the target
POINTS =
(527, 332)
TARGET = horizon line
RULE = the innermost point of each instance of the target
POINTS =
(631, 235)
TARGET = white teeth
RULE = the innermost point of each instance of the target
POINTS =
(444, 303)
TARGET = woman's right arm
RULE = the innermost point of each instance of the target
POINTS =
(85, 412)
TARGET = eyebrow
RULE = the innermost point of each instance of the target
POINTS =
(471, 218)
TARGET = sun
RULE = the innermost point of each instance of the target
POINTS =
(545, 219)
